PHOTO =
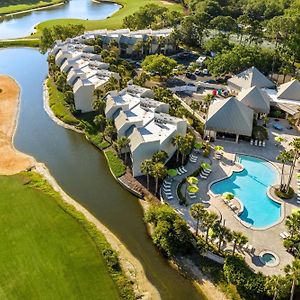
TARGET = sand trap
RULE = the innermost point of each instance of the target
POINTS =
(11, 160)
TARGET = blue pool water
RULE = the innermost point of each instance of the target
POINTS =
(250, 187)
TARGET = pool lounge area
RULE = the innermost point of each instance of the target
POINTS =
(250, 187)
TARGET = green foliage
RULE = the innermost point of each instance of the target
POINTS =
(218, 44)
(260, 133)
(58, 32)
(285, 195)
(249, 284)
(116, 165)
(20, 43)
(159, 63)
(58, 104)
(152, 16)
(71, 252)
(171, 233)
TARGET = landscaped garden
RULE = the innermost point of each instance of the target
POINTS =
(50, 249)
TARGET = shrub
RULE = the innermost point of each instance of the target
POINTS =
(249, 284)
(115, 163)
(284, 195)
(206, 152)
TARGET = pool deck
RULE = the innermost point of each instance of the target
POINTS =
(267, 239)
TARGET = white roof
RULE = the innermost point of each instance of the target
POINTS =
(289, 90)
(256, 99)
(249, 78)
(231, 116)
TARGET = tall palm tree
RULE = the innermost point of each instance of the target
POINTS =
(208, 222)
(239, 239)
(109, 131)
(296, 153)
(276, 286)
(146, 169)
(100, 121)
(293, 272)
(284, 157)
(160, 156)
(122, 143)
(195, 105)
(222, 233)
(177, 140)
(158, 171)
(292, 222)
(197, 212)
(186, 146)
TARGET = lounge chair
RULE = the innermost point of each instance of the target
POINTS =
(282, 235)
(259, 143)
(255, 143)
(202, 176)
(205, 201)
(193, 196)
(178, 172)
(206, 172)
(170, 197)
(183, 168)
(251, 142)
(264, 144)
(286, 234)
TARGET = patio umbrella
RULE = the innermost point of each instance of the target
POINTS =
(298, 175)
(193, 189)
(206, 166)
(172, 172)
(280, 139)
(192, 180)
(228, 196)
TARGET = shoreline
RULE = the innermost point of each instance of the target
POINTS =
(130, 264)
(31, 10)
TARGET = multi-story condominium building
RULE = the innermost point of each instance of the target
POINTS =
(145, 122)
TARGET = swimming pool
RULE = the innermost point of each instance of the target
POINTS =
(250, 187)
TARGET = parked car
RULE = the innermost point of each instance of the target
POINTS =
(190, 75)
(191, 84)
(205, 72)
(198, 72)
(184, 54)
(211, 81)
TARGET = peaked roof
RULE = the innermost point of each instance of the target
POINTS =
(256, 99)
(289, 90)
(231, 116)
(250, 77)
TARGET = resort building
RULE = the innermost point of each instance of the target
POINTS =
(287, 99)
(249, 78)
(229, 117)
(150, 41)
(256, 99)
(145, 122)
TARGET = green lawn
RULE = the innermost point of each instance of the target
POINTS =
(114, 22)
(59, 105)
(45, 253)
(13, 6)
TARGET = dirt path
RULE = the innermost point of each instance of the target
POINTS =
(11, 160)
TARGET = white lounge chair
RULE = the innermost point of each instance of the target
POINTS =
(193, 197)
(255, 143)
(205, 201)
(251, 142)
(183, 168)
(282, 235)
(264, 144)
(202, 176)
(259, 143)
(170, 197)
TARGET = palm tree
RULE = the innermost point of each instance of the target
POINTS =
(239, 239)
(146, 169)
(208, 222)
(138, 48)
(160, 156)
(195, 105)
(158, 171)
(109, 131)
(161, 40)
(122, 143)
(293, 272)
(186, 146)
(222, 233)
(276, 286)
(111, 85)
(284, 157)
(292, 222)
(177, 140)
(296, 153)
(100, 121)
(197, 212)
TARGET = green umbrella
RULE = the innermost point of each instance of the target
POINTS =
(193, 189)
(206, 166)
(219, 148)
(298, 175)
(192, 180)
(172, 172)
(280, 139)
(228, 196)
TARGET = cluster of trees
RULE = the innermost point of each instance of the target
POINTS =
(152, 16)
(160, 64)
(292, 243)
(58, 32)
(184, 145)
(155, 168)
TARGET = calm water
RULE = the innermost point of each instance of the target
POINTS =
(82, 172)
(20, 26)
(250, 186)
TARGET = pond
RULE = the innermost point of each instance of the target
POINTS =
(82, 172)
(23, 25)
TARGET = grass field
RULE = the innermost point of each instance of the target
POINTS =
(113, 22)
(13, 6)
(45, 252)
